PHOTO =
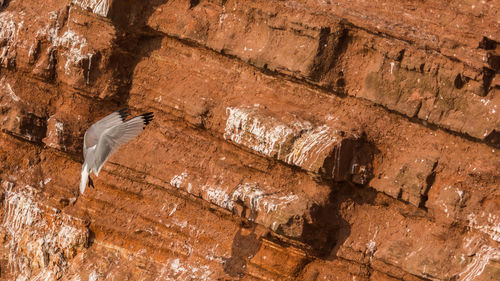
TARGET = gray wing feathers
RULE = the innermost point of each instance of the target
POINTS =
(95, 131)
(112, 138)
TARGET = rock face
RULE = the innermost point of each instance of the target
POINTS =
(292, 140)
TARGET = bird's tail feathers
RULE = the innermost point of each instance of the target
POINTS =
(83, 181)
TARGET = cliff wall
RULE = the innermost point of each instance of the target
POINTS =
(292, 140)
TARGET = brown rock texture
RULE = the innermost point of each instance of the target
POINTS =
(292, 140)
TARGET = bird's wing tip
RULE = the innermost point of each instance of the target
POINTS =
(147, 117)
(124, 112)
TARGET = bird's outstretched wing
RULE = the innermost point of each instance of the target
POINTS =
(95, 131)
(112, 138)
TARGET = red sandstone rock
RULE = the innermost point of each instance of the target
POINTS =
(271, 117)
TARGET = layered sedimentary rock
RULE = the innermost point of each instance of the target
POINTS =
(292, 140)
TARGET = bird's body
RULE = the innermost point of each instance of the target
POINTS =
(104, 137)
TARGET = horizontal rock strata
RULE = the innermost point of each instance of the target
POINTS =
(292, 140)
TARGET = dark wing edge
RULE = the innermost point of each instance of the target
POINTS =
(119, 135)
(148, 117)
(113, 119)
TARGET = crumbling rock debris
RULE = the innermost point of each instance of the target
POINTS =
(41, 240)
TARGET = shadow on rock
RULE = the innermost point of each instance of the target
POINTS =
(246, 243)
(4, 4)
(328, 228)
(135, 41)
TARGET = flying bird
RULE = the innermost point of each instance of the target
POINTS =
(103, 138)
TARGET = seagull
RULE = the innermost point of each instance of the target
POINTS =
(103, 138)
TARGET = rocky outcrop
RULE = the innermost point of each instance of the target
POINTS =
(292, 140)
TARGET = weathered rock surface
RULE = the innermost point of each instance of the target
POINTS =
(292, 140)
